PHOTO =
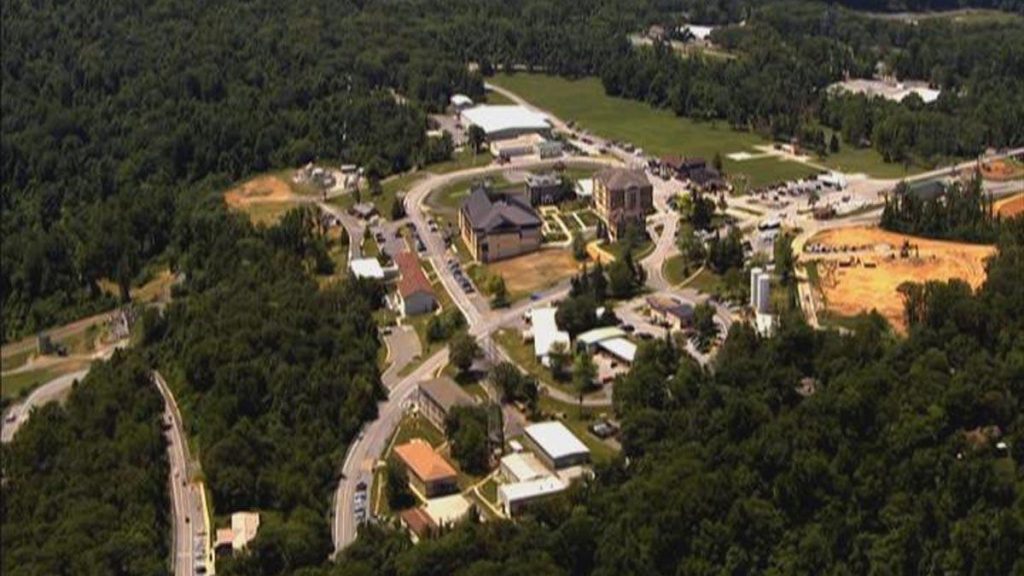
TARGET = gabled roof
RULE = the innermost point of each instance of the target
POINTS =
(680, 310)
(413, 279)
(426, 464)
(622, 178)
(487, 215)
(418, 521)
(683, 163)
(445, 393)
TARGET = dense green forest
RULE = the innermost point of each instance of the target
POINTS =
(122, 120)
(790, 52)
(887, 464)
(109, 115)
(275, 374)
(84, 486)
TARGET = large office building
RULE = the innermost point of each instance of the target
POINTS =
(622, 197)
(498, 228)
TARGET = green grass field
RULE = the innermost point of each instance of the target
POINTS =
(21, 383)
(661, 132)
(657, 131)
(461, 161)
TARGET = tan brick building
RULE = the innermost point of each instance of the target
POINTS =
(621, 197)
(495, 229)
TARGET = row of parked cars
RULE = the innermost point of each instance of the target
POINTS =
(359, 502)
(460, 276)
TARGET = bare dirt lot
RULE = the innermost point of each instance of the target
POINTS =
(869, 276)
(1010, 207)
(531, 272)
(265, 199)
(1002, 170)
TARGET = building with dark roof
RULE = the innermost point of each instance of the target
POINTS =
(622, 197)
(671, 312)
(707, 179)
(415, 294)
(545, 188)
(438, 396)
(680, 167)
(498, 227)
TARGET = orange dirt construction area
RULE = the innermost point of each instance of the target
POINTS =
(262, 190)
(1010, 207)
(1002, 170)
(860, 268)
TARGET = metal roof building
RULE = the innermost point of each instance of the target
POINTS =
(555, 445)
(366, 268)
(514, 497)
(546, 333)
(504, 121)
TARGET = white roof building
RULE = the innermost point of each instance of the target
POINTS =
(699, 32)
(555, 440)
(244, 526)
(596, 335)
(448, 510)
(506, 121)
(461, 101)
(366, 268)
(620, 348)
(522, 466)
(585, 188)
(514, 496)
(546, 333)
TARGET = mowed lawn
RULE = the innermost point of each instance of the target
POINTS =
(661, 132)
(657, 131)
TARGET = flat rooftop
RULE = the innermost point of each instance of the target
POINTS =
(555, 439)
(494, 119)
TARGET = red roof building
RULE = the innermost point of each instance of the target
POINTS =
(414, 289)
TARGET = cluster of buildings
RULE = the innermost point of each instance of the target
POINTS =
(887, 87)
(510, 130)
(552, 458)
(693, 170)
(545, 462)
(610, 346)
(414, 293)
(501, 224)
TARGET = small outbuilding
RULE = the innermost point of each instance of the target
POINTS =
(366, 268)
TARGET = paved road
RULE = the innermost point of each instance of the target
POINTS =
(368, 447)
(190, 532)
(354, 227)
(53, 390)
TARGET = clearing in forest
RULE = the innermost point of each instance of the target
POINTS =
(870, 265)
(265, 199)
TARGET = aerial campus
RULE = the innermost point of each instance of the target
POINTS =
(511, 311)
